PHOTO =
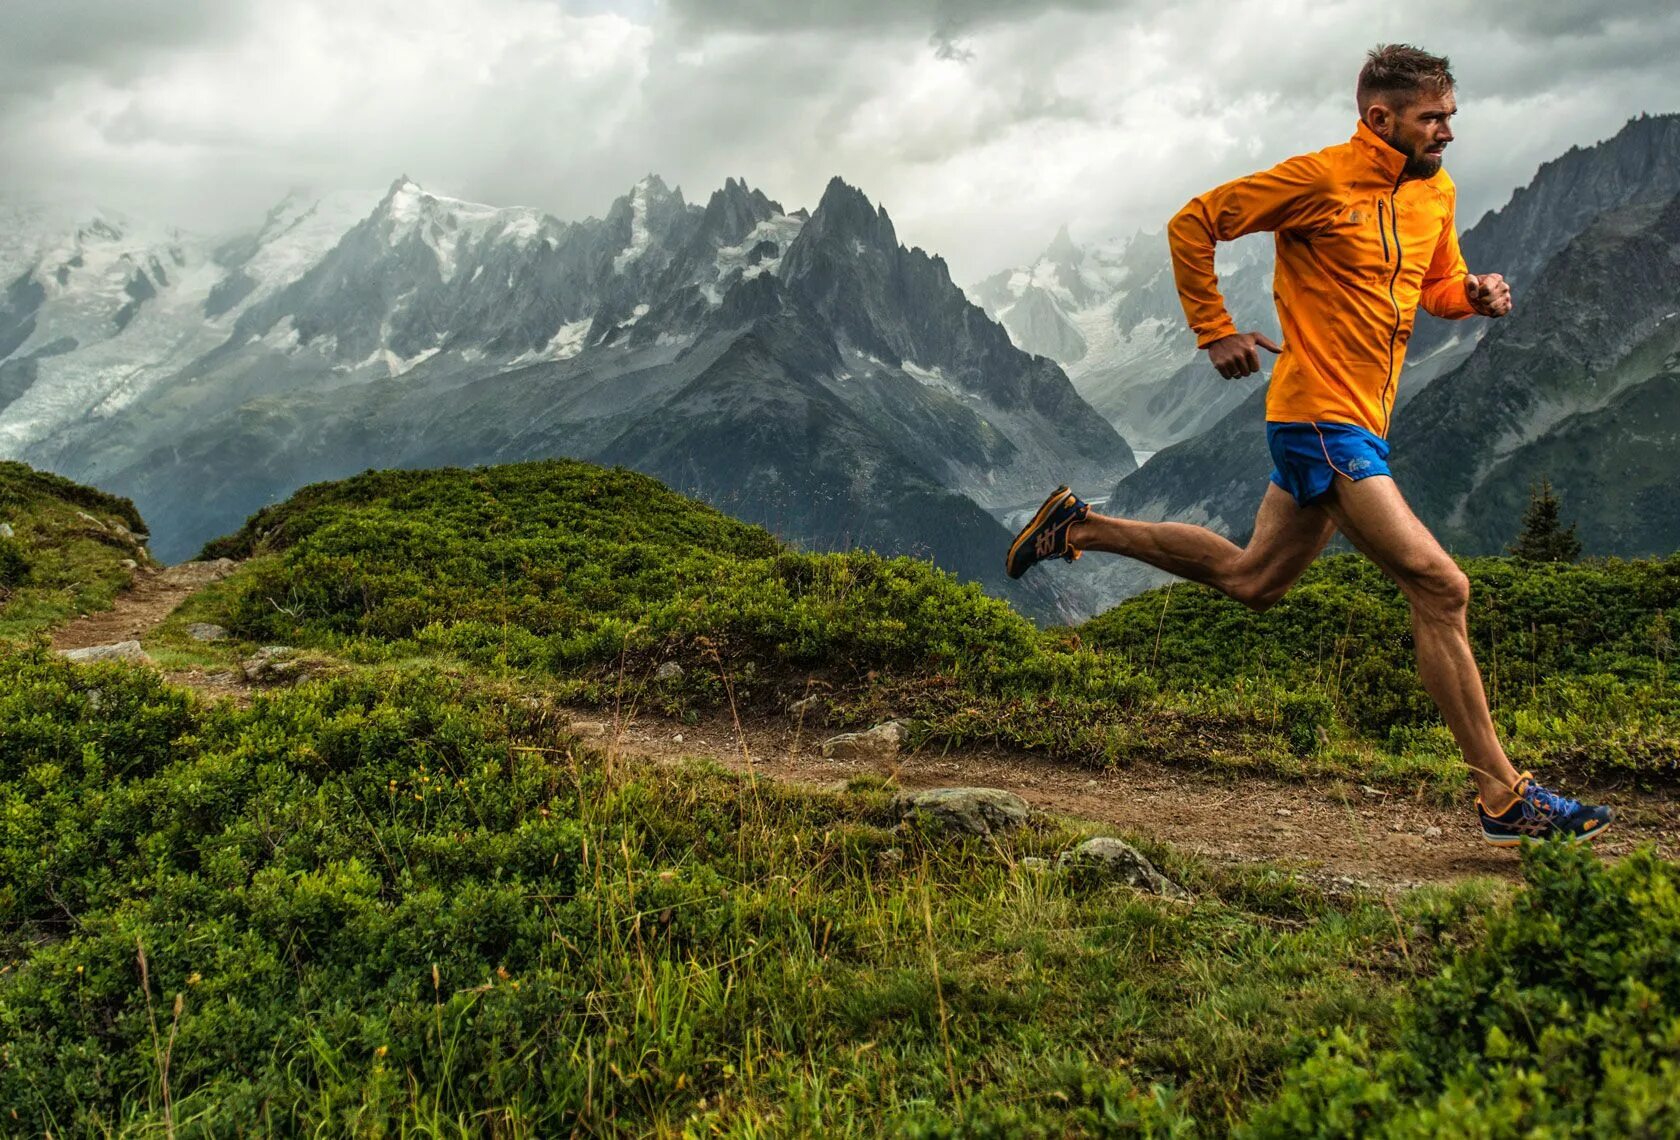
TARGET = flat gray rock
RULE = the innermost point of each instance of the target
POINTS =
(205, 631)
(1114, 860)
(963, 811)
(119, 651)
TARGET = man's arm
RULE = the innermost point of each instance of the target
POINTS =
(1294, 194)
(1445, 289)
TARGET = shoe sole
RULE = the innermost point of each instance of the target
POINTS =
(1050, 504)
(1584, 837)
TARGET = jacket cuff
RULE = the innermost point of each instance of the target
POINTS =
(1207, 334)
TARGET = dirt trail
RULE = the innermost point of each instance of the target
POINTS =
(142, 607)
(1332, 830)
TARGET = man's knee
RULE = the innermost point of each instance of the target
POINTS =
(1256, 593)
(1442, 590)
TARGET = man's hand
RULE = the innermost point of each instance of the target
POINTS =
(1238, 354)
(1488, 293)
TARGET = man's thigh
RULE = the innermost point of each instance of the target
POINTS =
(1376, 518)
(1287, 537)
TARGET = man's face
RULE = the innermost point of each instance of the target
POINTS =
(1420, 131)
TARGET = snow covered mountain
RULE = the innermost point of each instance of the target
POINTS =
(96, 312)
(1109, 314)
(803, 370)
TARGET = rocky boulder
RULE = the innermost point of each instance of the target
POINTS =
(119, 651)
(1115, 861)
(962, 811)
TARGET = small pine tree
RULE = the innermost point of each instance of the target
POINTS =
(1542, 539)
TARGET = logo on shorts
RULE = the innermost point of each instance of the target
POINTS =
(1358, 464)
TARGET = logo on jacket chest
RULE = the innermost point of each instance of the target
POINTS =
(1355, 216)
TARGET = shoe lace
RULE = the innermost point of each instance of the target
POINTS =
(1547, 802)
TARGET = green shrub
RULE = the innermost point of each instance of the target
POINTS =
(14, 565)
(1563, 1020)
(396, 902)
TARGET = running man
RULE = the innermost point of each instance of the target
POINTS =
(1364, 234)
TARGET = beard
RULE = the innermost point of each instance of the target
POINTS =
(1422, 164)
(1419, 162)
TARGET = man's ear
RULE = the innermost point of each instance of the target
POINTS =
(1379, 118)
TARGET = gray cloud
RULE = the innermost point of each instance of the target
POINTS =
(981, 126)
(119, 38)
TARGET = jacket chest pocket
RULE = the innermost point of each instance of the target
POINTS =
(1361, 241)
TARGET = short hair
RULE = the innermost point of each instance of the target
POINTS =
(1399, 73)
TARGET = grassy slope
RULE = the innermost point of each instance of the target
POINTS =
(58, 564)
(583, 582)
(628, 950)
(402, 897)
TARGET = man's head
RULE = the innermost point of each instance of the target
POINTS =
(1406, 97)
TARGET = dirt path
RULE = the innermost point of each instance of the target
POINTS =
(142, 607)
(1330, 830)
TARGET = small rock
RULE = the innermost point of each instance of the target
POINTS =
(129, 564)
(804, 707)
(1114, 860)
(1432, 832)
(83, 515)
(677, 739)
(1397, 826)
(889, 860)
(1034, 864)
(215, 569)
(6, 531)
(590, 729)
(222, 678)
(1370, 791)
(668, 671)
(95, 698)
(204, 631)
(963, 811)
(270, 663)
(1284, 811)
(120, 651)
(879, 743)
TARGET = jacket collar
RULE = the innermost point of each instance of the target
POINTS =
(1382, 158)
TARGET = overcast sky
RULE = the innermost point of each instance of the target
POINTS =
(981, 126)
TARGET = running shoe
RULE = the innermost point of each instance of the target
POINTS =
(1046, 535)
(1539, 815)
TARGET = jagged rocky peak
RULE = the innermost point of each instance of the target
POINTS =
(449, 225)
(648, 223)
(1062, 250)
(735, 210)
(846, 212)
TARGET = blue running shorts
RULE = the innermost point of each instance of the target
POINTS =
(1307, 457)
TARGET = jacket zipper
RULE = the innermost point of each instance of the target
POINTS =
(1382, 228)
(1394, 333)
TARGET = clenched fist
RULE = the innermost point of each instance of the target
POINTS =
(1237, 355)
(1488, 293)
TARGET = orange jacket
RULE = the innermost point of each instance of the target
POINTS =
(1357, 250)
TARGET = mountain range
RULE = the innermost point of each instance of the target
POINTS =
(801, 369)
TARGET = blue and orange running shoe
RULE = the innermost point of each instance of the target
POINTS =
(1046, 535)
(1539, 815)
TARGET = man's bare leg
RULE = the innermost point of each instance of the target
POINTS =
(1286, 539)
(1376, 519)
